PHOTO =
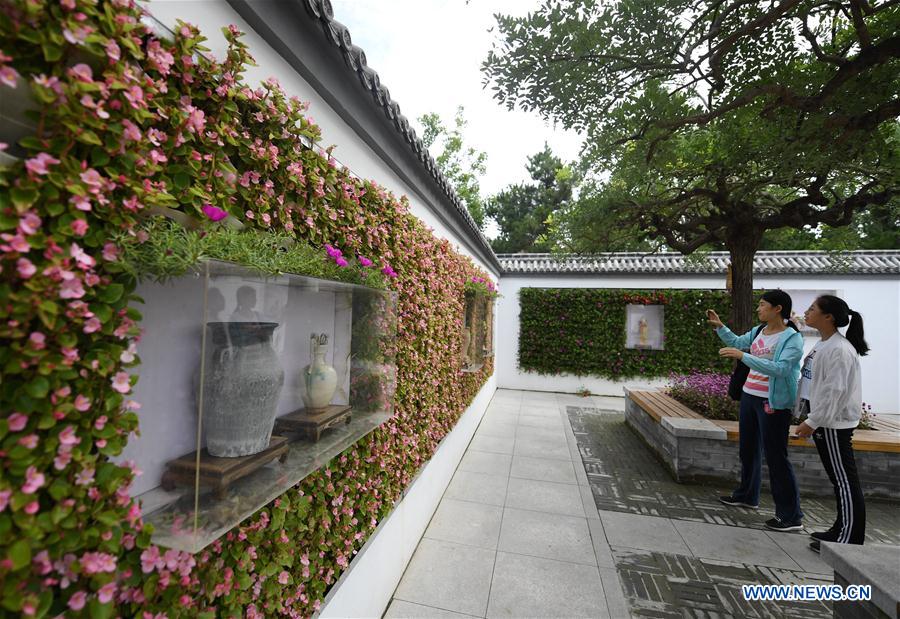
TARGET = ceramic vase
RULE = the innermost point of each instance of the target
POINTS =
(319, 378)
(241, 388)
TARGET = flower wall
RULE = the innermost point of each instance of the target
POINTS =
(129, 124)
(581, 331)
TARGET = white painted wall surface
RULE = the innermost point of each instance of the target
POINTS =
(212, 15)
(876, 298)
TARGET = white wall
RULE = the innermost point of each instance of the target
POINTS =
(876, 298)
(211, 15)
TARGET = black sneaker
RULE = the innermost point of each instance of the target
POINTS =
(824, 536)
(815, 546)
(733, 502)
(777, 524)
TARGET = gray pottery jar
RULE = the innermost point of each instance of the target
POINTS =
(242, 387)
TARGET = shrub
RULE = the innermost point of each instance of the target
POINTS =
(706, 393)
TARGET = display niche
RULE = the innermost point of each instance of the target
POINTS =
(477, 343)
(247, 385)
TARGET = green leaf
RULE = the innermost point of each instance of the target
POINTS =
(89, 137)
(52, 53)
(38, 388)
(111, 293)
(23, 198)
(19, 554)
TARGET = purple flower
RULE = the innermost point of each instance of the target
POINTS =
(365, 261)
(333, 252)
(340, 261)
(387, 270)
(214, 212)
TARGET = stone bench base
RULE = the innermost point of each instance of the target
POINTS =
(700, 450)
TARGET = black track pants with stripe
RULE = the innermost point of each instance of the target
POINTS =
(836, 451)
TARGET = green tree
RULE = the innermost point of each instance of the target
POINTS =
(713, 122)
(523, 212)
(462, 165)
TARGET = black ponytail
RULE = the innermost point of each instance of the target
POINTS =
(843, 316)
(780, 297)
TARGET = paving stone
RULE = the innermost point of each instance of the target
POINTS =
(407, 610)
(468, 523)
(644, 532)
(543, 469)
(478, 488)
(493, 444)
(448, 576)
(533, 587)
(486, 462)
(551, 536)
(544, 496)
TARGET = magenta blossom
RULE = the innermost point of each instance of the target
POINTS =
(387, 270)
(333, 252)
(341, 262)
(365, 261)
(214, 212)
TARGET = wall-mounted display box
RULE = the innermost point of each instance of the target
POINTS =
(247, 385)
(478, 331)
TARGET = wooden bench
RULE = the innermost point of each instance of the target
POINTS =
(658, 405)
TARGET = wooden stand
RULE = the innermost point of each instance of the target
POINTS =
(300, 422)
(220, 472)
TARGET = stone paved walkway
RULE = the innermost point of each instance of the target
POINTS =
(558, 510)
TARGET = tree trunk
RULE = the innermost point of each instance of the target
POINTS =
(742, 247)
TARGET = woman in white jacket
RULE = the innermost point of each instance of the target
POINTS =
(830, 393)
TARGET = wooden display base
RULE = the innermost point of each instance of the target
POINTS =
(220, 472)
(311, 426)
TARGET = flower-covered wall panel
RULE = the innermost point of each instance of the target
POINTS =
(582, 331)
(129, 125)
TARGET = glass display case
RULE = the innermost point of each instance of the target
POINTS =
(478, 331)
(247, 385)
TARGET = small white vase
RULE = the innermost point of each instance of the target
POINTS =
(319, 378)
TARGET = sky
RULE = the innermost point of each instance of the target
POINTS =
(429, 53)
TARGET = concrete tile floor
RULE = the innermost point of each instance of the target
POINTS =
(517, 533)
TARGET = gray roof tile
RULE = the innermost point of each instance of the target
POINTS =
(881, 262)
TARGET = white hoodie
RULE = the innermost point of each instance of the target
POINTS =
(835, 392)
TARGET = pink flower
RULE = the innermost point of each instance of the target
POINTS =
(16, 243)
(82, 404)
(92, 179)
(81, 257)
(17, 422)
(38, 340)
(122, 382)
(131, 132)
(196, 121)
(29, 442)
(341, 262)
(29, 223)
(38, 165)
(70, 354)
(71, 289)
(92, 325)
(284, 577)
(135, 97)
(68, 437)
(333, 252)
(214, 212)
(82, 203)
(25, 267)
(101, 422)
(150, 560)
(78, 600)
(82, 72)
(79, 227)
(4, 499)
(160, 59)
(106, 592)
(32, 508)
(9, 76)
(365, 261)
(110, 252)
(98, 563)
(33, 480)
(63, 457)
(387, 270)
(113, 52)
(85, 477)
